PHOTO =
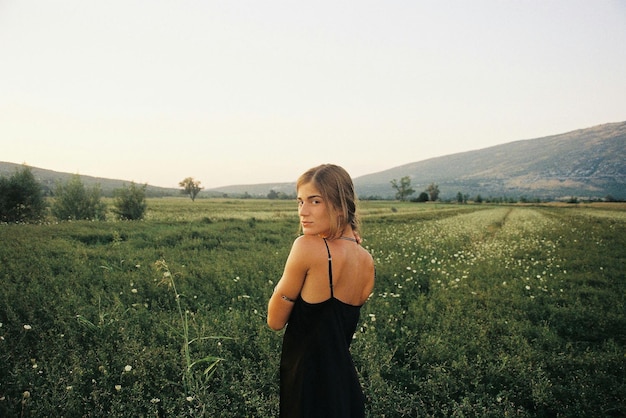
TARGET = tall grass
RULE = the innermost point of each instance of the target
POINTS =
(192, 385)
(477, 311)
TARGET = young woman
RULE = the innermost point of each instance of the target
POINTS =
(328, 276)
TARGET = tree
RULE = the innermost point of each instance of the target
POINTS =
(21, 197)
(433, 192)
(403, 189)
(130, 202)
(72, 201)
(190, 187)
(423, 197)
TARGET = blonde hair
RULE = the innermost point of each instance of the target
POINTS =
(336, 187)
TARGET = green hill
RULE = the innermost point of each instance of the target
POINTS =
(585, 163)
(50, 178)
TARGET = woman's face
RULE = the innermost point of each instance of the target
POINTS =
(313, 211)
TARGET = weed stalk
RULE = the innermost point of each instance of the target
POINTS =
(189, 382)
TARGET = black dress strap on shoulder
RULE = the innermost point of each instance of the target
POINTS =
(330, 268)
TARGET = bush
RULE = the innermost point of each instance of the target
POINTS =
(423, 197)
(130, 202)
(74, 202)
(21, 197)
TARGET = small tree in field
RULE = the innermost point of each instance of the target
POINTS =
(190, 187)
(433, 191)
(423, 197)
(21, 197)
(74, 202)
(403, 189)
(130, 202)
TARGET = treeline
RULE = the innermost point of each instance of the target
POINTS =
(22, 199)
(403, 190)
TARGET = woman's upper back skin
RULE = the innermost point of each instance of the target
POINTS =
(352, 268)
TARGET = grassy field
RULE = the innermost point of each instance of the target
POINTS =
(478, 311)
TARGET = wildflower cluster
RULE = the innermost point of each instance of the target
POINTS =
(463, 251)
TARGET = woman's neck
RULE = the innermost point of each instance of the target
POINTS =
(347, 234)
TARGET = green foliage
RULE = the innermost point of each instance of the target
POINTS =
(191, 384)
(423, 197)
(480, 337)
(190, 187)
(478, 310)
(130, 202)
(403, 188)
(273, 194)
(75, 202)
(21, 197)
(433, 192)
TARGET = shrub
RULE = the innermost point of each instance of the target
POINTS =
(130, 202)
(74, 202)
(21, 197)
(423, 197)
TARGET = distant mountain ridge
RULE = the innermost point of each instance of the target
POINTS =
(584, 163)
(587, 162)
(50, 178)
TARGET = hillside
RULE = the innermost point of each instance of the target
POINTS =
(586, 163)
(583, 163)
(50, 178)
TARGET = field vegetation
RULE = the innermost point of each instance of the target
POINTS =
(478, 311)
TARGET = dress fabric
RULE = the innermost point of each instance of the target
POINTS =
(317, 374)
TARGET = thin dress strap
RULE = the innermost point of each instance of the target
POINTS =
(330, 269)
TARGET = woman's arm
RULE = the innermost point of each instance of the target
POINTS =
(289, 286)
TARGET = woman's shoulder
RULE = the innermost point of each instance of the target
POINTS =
(363, 252)
(307, 243)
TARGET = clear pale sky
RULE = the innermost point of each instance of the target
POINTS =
(249, 91)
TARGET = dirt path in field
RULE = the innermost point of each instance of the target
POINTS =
(497, 226)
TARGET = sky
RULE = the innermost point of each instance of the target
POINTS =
(247, 91)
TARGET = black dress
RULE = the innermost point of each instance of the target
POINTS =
(317, 375)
